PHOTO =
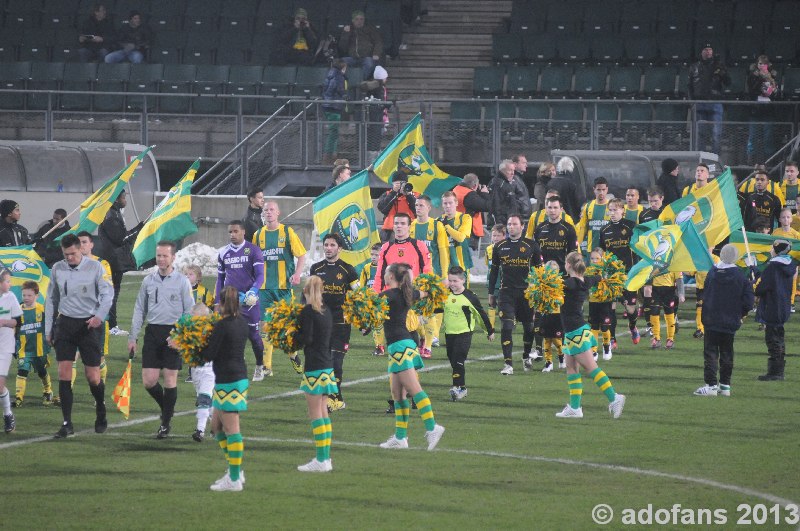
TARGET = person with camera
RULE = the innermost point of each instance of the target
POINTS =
(297, 44)
(401, 197)
(96, 36)
(707, 78)
(509, 194)
(473, 199)
(361, 45)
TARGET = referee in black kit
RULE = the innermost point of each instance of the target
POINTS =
(80, 297)
(165, 296)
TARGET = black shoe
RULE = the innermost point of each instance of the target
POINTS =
(101, 423)
(697, 334)
(198, 436)
(771, 378)
(65, 431)
(163, 431)
(9, 423)
(297, 364)
(390, 409)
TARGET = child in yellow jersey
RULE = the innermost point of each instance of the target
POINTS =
(367, 278)
(498, 235)
(785, 230)
(553, 333)
(33, 347)
(667, 292)
(600, 313)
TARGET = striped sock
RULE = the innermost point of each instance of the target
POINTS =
(319, 431)
(235, 452)
(698, 318)
(402, 409)
(22, 384)
(670, 319)
(47, 385)
(597, 338)
(548, 356)
(328, 437)
(601, 379)
(103, 369)
(492, 313)
(575, 390)
(425, 409)
(222, 440)
(655, 325)
(606, 337)
(558, 343)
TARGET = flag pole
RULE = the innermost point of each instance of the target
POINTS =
(746, 245)
(287, 216)
(57, 225)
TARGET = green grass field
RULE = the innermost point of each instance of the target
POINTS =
(505, 461)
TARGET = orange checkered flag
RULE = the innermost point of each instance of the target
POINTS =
(122, 392)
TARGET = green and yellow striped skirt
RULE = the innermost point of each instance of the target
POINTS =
(578, 341)
(231, 396)
(403, 355)
(321, 382)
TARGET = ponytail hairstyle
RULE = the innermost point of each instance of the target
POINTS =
(230, 302)
(576, 263)
(402, 274)
(313, 293)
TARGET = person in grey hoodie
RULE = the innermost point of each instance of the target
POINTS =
(727, 297)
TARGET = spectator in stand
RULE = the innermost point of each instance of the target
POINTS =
(520, 169)
(361, 44)
(762, 86)
(340, 175)
(334, 91)
(96, 35)
(297, 43)
(668, 180)
(707, 78)
(252, 218)
(134, 38)
(12, 233)
(546, 172)
(508, 194)
(400, 198)
(341, 162)
(564, 184)
(48, 248)
(374, 91)
(473, 199)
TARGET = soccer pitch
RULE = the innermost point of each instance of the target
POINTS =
(505, 461)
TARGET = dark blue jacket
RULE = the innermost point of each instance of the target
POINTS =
(774, 290)
(334, 89)
(727, 297)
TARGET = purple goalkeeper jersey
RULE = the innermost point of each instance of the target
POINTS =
(241, 267)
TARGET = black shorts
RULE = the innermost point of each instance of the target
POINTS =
(156, 354)
(665, 297)
(599, 314)
(630, 298)
(71, 335)
(340, 337)
(549, 325)
(512, 304)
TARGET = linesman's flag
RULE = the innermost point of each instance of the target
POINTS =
(347, 210)
(666, 248)
(760, 246)
(171, 220)
(122, 393)
(712, 209)
(25, 264)
(407, 153)
(95, 207)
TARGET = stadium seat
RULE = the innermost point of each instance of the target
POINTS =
(673, 48)
(567, 112)
(565, 17)
(488, 81)
(177, 79)
(635, 112)
(624, 82)
(791, 83)
(276, 78)
(55, 21)
(35, 45)
(274, 103)
(200, 48)
(590, 81)
(210, 79)
(23, 14)
(77, 76)
(522, 81)
(672, 112)
(533, 111)
(161, 24)
(635, 120)
(44, 76)
(238, 16)
(781, 48)
(10, 39)
(202, 15)
(234, 48)
(641, 48)
(526, 18)
(638, 17)
(506, 48)
(573, 48)
(144, 78)
(659, 82)
(556, 81)
(309, 81)
(608, 48)
(13, 76)
(606, 112)
(65, 45)
(683, 82)
(676, 16)
(167, 47)
(539, 48)
(603, 21)
(785, 16)
(111, 78)
(738, 87)
(715, 15)
(244, 80)
(465, 115)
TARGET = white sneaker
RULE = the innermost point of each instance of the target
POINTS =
(267, 371)
(258, 373)
(548, 367)
(227, 477)
(615, 407)
(435, 342)
(507, 370)
(461, 393)
(536, 355)
(527, 364)
(117, 331)
(607, 355)
(708, 390)
(454, 393)
(226, 485)
(393, 442)
(433, 436)
(724, 390)
(562, 364)
(316, 466)
(568, 412)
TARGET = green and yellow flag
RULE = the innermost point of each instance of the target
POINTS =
(666, 248)
(713, 210)
(407, 153)
(347, 210)
(25, 264)
(760, 246)
(96, 206)
(171, 220)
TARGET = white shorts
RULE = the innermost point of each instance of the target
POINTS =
(5, 362)
(203, 379)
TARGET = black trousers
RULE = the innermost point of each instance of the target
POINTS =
(776, 346)
(457, 351)
(717, 356)
(116, 280)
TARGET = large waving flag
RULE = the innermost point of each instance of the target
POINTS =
(171, 220)
(713, 210)
(407, 153)
(96, 206)
(347, 210)
(122, 393)
(760, 246)
(25, 264)
(666, 248)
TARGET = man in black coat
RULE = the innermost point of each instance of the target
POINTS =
(46, 247)
(668, 180)
(252, 218)
(509, 195)
(12, 233)
(564, 184)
